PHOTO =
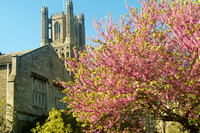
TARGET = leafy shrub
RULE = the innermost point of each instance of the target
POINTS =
(58, 122)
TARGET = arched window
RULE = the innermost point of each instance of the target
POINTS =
(57, 30)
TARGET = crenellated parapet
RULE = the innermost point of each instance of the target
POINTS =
(58, 15)
(63, 30)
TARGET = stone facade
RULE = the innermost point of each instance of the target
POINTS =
(31, 89)
(3, 86)
(63, 31)
(3, 75)
(26, 77)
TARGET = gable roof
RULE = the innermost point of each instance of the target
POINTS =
(7, 58)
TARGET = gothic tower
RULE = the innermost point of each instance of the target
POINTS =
(63, 31)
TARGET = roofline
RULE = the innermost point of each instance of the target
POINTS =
(35, 50)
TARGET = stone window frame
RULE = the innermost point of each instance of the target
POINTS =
(39, 90)
(57, 30)
(58, 96)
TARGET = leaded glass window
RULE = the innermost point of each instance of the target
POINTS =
(39, 91)
(58, 98)
(57, 30)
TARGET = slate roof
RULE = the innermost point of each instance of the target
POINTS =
(7, 58)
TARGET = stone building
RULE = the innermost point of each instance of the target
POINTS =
(27, 83)
(63, 31)
(26, 77)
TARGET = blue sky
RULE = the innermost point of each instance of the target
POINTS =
(20, 21)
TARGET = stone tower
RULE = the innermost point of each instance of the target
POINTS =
(63, 31)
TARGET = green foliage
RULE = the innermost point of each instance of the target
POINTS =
(1, 112)
(58, 122)
(10, 113)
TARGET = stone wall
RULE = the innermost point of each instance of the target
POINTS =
(3, 86)
(44, 62)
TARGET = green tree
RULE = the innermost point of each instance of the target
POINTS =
(5, 124)
(58, 122)
(2, 115)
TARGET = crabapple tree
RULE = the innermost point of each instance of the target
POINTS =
(147, 62)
